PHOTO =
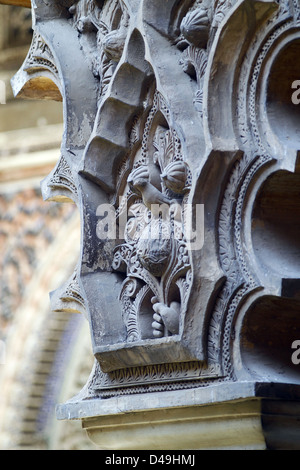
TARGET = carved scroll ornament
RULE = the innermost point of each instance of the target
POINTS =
(170, 148)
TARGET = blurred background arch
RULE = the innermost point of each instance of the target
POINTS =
(48, 356)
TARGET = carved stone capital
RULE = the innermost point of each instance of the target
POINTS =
(181, 151)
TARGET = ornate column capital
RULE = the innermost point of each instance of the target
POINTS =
(180, 149)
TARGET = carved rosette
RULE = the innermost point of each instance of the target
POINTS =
(170, 106)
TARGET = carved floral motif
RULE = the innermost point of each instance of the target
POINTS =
(103, 28)
(155, 252)
(195, 33)
(195, 27)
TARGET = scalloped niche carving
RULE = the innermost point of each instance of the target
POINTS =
(283, 112)
(276, 225)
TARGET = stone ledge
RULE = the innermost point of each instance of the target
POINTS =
(225, 416)
(17, 3)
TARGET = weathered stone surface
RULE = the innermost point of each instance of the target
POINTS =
(232, 416)
(171, 106)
